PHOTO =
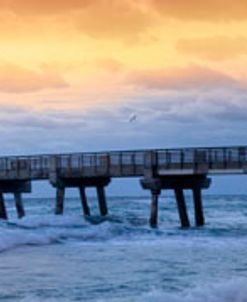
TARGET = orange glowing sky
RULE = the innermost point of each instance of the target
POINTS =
(71, 54)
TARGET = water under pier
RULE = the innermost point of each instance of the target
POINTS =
(164, 169)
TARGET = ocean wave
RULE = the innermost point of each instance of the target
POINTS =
(129, 229)
(228, 291)
(37, 230)
(50, 230)
(234, 290)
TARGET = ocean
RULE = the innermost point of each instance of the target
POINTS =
(44, 257)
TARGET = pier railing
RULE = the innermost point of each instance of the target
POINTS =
(162, 169)
(127, 163)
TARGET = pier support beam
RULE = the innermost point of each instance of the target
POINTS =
(60, 201)
(178, 183)
(182, 209)
(3, 212)
(199, 217)
(19, 205)
(15, 187)
(153, 221)
(81, 183)
(102, 200)
(84, 203)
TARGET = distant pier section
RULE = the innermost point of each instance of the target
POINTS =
(165, 169)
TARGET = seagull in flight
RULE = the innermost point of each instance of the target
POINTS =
(132, 118)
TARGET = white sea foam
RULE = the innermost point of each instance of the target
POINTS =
(178, 264)
(48, 230)
(37, 230)
(229, 291)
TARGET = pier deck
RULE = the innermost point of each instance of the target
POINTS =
(176, 169)
(186, 161)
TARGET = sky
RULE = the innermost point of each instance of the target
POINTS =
(73, 73)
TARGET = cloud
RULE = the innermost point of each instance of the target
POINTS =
(210, 10)
(231, 111)
(216, 48)
(190, 77)
(109, 64)
(36, 7)
(109, 10)
(17, 79)
(14, 118)
(115, 19)
(167, 119)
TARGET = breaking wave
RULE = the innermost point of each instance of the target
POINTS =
(230, 291)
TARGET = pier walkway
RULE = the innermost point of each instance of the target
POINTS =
(176, 169)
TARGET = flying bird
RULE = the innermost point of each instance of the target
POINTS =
(132, 118)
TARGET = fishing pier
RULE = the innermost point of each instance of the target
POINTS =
(165, 169)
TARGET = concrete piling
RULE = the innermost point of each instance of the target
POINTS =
(199, 217)
(154, 208)
(178, 183)
(84, 203)
(59, 201)
(102, 200)
(3, 212)
(182, 210)
(19, 205)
